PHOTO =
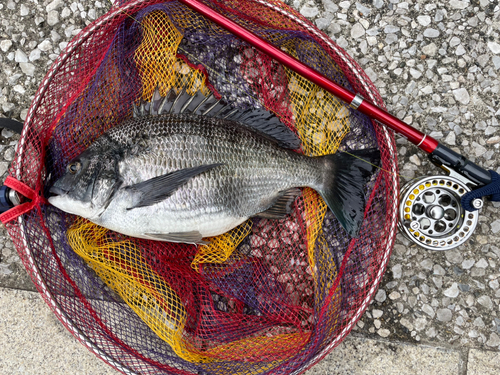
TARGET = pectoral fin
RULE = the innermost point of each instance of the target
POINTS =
(193, 237)
(161, 187)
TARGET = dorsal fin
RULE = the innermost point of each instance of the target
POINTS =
(257, 119)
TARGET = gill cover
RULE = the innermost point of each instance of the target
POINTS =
(89, 183)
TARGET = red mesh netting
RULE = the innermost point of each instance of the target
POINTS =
(270, 296)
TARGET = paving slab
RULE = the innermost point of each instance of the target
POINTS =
(34, 342)
(483, 363)
(362, 356)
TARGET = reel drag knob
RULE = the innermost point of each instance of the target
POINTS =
(430, 213)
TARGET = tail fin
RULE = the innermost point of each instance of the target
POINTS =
(345, 179)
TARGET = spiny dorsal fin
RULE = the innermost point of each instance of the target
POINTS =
(257, 119)
(268, 124)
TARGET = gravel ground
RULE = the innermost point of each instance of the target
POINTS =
(437, 66)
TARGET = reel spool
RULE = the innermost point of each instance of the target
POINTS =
(430, 212)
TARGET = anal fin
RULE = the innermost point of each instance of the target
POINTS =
(282, 206)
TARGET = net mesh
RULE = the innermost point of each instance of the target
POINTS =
(270, 296)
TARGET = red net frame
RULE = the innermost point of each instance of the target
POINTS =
(52, 271)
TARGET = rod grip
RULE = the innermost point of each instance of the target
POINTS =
(442, 155)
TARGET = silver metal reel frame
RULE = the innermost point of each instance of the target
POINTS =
(430, 212)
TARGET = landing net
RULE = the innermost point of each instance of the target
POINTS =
(270, 296)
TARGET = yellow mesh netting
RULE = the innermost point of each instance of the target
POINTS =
(121, 266)
(221, 247)
(321, 122)
(157, 60)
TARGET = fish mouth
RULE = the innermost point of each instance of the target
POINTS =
(54, 190)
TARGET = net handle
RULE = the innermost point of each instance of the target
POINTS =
(439, 153)
(415, 136)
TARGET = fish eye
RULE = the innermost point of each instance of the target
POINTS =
(73, 168)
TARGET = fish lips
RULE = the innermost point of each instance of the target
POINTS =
(56, 190)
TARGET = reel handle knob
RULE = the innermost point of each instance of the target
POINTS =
(477, 203)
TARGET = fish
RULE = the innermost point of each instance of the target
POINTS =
(186, 167)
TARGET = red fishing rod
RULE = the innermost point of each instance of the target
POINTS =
(438, 153)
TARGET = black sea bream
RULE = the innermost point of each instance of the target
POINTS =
(180, 177)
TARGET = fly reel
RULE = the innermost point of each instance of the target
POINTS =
(430, 212)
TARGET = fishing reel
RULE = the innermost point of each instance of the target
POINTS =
(431, 214)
